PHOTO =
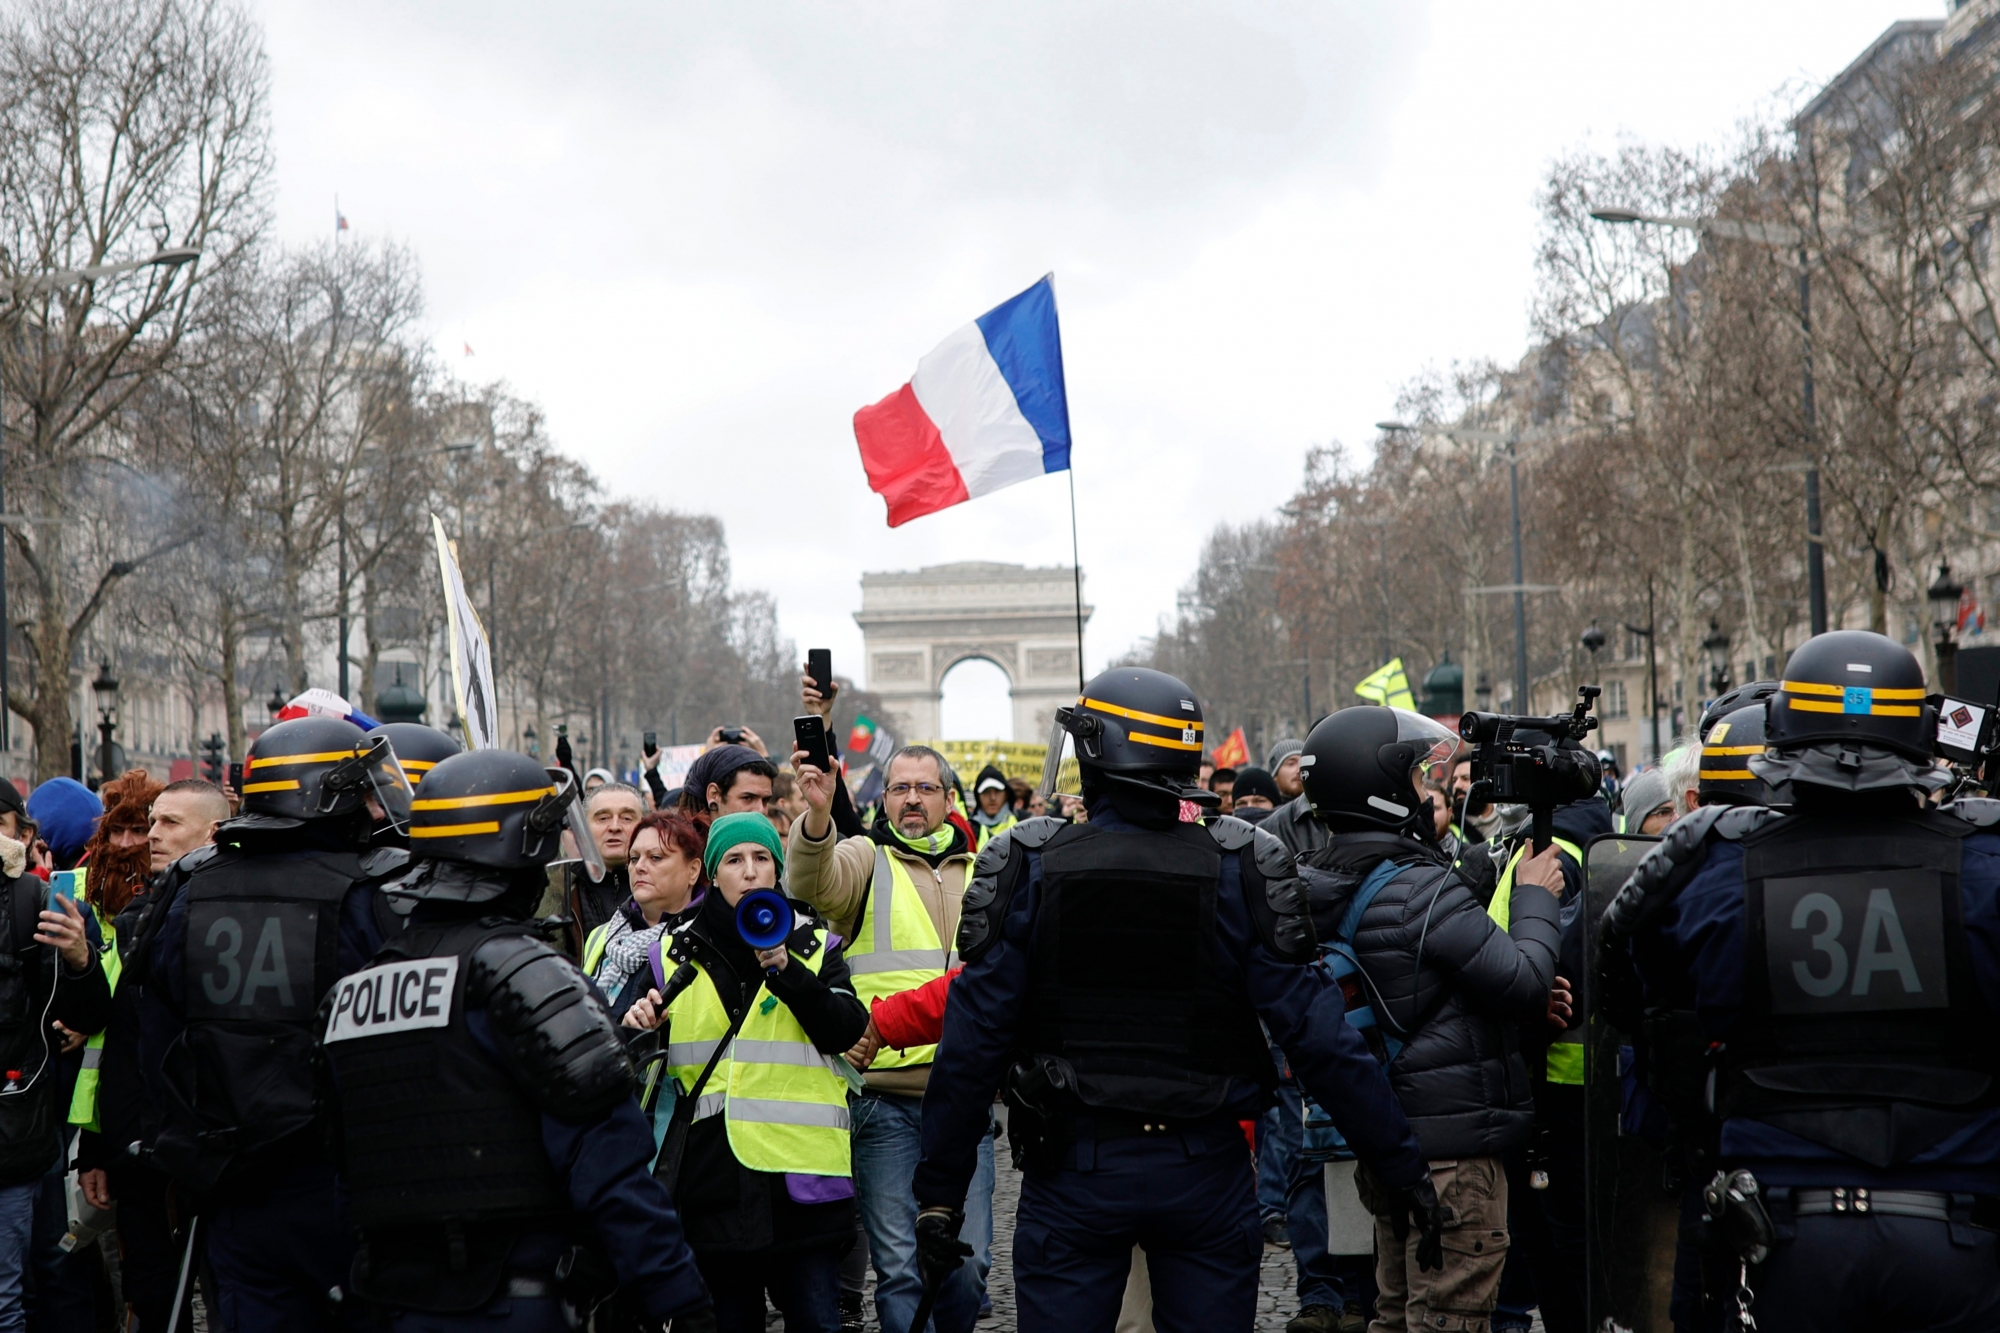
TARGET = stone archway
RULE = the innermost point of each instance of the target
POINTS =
(918, 625)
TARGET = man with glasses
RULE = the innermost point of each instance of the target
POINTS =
(895, 896)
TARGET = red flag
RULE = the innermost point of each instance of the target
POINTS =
(1234, 752)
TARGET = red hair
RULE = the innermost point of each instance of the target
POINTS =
(677, 832)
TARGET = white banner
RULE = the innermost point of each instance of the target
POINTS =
(471, 659)
(674, 763)
(394, 997)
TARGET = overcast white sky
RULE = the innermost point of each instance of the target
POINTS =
(702, 235)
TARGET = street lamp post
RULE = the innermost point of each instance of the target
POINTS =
(1652, 667)
(105, 688)
(1943, 596)
(1778, 236)
(1716, 645)
(1517, 587)
(36, 286)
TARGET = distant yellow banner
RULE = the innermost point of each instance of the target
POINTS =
(1017, 759)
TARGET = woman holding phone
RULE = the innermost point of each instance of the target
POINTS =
(765, 1192)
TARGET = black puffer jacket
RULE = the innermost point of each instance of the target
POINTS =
(1457, 989)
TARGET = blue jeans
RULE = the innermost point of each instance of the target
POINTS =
(1279, 1135)
(61, 1297)
(887, 1133)
(1333, 1280)
(17, 1227)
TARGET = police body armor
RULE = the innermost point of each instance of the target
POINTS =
(1126, 995)
(440, 1148)
(1862, 1027)
(262, 948)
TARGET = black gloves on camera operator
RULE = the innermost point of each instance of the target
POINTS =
(1418, 1203)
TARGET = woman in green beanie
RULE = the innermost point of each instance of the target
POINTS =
(765, 1193)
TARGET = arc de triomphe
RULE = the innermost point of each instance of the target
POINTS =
(916, 626)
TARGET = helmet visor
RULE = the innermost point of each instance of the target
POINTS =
(1436, 751)
(389, 784)
(1059, 740)
(568, 798)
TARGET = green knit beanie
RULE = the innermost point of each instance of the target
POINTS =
(741, 827)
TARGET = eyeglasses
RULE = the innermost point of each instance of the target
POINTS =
(923, 789)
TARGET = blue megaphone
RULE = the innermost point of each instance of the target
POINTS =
(764, 919)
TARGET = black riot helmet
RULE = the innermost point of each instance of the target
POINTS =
(1853, 686)
(315, 768)
(495, 810)
(1729, 743)
(419, 748)
(1756, 692)
(1134, 728)
(1358, 769)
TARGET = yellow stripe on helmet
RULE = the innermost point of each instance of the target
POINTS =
(284, 784)
(1177, 723)
(273, 761)
(1719, 750)
(452, 830)
(1837, 691)
(1874, 710)
(1728, 774)
(491, 798)
(1161, 741)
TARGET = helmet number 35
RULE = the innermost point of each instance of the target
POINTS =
(1855, 942)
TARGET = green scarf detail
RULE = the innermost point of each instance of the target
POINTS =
(930, 844)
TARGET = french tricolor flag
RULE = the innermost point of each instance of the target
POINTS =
(986, 409)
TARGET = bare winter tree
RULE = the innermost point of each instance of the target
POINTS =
(126, 127)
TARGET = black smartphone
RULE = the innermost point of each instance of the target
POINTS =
(819, 665)
(810, 732)
(652, 739)
(236, 777)
(732, 736)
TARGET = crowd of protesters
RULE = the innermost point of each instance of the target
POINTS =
(879, 893)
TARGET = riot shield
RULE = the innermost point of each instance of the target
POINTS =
(1631, 1208)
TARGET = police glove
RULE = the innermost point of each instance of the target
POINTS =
(694, 1321)
(1419, 1204)
(939, 1250)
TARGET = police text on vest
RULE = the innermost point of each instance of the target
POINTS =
(394, 997)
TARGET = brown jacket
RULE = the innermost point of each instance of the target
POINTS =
(833, 875)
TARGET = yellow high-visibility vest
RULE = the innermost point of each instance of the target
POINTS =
(784, 1104)
(1565, 1062)
(987, 835)
(896, 948)
(83, 1102)
(593, 949)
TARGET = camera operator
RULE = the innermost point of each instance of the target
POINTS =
(1547, 1212)
(1448, 987)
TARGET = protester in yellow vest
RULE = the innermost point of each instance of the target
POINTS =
(992, 813)
(110, 1104)
(765, 1193)
(894, 895)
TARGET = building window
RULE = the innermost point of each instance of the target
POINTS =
(1613, 704)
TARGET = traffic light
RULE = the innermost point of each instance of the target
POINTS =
(211, 758)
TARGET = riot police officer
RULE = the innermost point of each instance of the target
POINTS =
(419, 748)
(1841, 959)
(493, 1153)
(243, 940)
(1116, 973)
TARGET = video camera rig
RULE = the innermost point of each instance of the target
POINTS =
(1537, 773)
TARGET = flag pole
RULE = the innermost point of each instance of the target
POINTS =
(1076, 569)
